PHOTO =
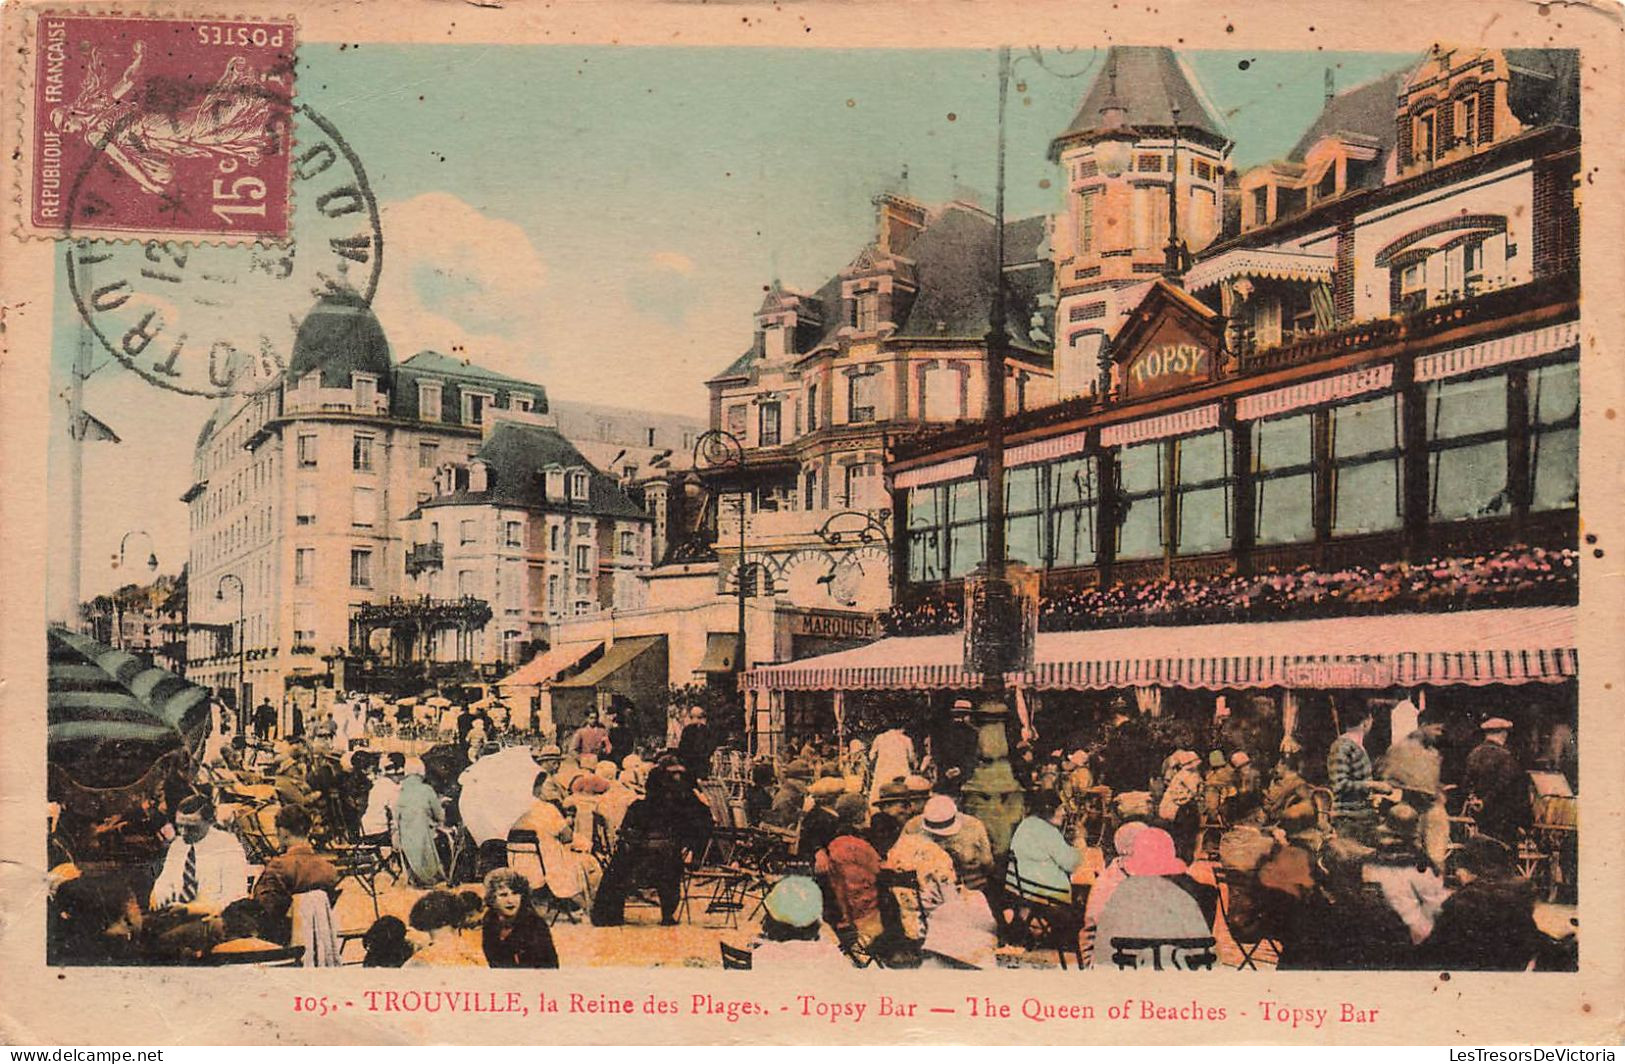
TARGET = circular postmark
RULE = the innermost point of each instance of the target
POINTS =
(219, 319)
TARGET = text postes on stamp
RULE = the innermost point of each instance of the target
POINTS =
(216, 319)
(162, 127)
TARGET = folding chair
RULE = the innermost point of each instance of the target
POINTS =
(1249, 946)
(1051, 922)
(1181, 954)
(523, 843)
(735, 959)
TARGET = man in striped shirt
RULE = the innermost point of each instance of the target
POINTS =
(1348, 771)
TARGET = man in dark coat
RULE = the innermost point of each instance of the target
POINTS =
(785, 812)
(697, 744)
(264, 721)
(1127, 762)
(1499, 783)
(1489, 923)
(955, 749)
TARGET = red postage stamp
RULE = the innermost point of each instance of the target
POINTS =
(161, 127)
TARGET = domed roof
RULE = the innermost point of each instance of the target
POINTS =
(340, 336)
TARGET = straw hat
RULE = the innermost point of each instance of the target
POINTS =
(941, 816)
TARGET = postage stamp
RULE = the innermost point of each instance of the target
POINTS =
(164, 127)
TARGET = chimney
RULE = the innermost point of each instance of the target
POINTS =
(898, 221)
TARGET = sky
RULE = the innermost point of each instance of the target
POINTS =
(604, 219)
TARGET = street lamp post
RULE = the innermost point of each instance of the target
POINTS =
(719, 450)
(242, 632)
(152, 557)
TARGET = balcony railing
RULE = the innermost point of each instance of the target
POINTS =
(422, 557)
(331, 400)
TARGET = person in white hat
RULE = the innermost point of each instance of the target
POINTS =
(791, 937)
(1495, 778)
(962, 835)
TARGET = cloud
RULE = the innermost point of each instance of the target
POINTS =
(675, 261)
(455, 278)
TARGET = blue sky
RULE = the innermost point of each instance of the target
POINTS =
(603, 219)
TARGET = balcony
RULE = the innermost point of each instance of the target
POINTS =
(422, 557)
(309, 400)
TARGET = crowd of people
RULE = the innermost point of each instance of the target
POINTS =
(1130, 840)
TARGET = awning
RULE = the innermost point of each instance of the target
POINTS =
(1313, 393)
(721, 652)
(957, 469)
(1043, 450)
(545, 667)
(1260, 263)
(1515, 348)
(1196, 419)
(1472, 648)
(620, 654)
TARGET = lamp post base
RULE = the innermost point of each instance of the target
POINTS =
(992, 794)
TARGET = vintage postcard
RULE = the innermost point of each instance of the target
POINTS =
(1011, 523)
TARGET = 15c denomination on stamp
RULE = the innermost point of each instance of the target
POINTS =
(169, 127)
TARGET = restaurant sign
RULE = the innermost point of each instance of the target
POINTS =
(1169, 343)
(830, 625)
(1324, 674)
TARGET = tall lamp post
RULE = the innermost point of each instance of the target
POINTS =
(720, 451)
(242, 632)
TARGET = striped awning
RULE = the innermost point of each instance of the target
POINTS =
(1470, 648)
(1515, 348)
(1196, 419)
(958, 469)
(1259, 263)
(1313, 393)
(545, 667)
(1044, 450)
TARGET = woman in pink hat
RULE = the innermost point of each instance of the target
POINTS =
(1148, 904)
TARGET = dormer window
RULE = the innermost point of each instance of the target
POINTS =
(475, 405)
(1261, 205)
(429, 400)
(576, 487)
(773, 341)
(365, 386)
(522, 403)
(1424, 136)
(864, 311)
(1467, 119)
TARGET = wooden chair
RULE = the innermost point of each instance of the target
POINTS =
(522, 842)
(1249, 946)
(735, 959)
(288, 957)
(1181, 954)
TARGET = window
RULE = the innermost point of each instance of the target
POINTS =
(304, 505)
(1467, 119)
(361, 454)
(967, 517)
(927, 519)
(583, 585)
(773, 341)
(1202, 493)
(428, 454)
(1023, 514)
(859, 479)
(1554, 436)
(941, 400)
(812, 407)
(861, 391)
(304, 566)
(307, 451)
(1284, 494)
(583, 607)
(1366, 480)
(768, 425)
(583, 556)
(510, 647)
(578, 484)
(866, 311)
(552, 594)
(304, 625)
(1261, 206)
(553, 534)
(466, 532)
(468, 583)
(648, 437)
(513, 534)
(736, 419)
(1086, 222)
(522, 403)
(366, 390)
(1467, 450)
(629, 544)
(361, 568)
(1410, 288)
(1423, 143)
(474, 405)
(1071, 514)
(429, 400)
(364, 508)
(810, 486)
(1140, 482)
